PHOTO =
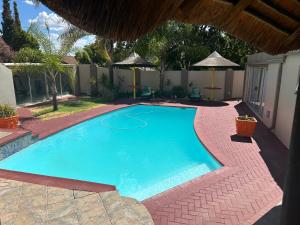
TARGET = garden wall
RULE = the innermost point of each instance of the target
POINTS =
(7, 90)
(123, 79)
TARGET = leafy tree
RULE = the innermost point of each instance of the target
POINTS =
(50, 60)
(6, 54)
(29, 55)
(103, 46)
(7, 23)
(23, 39)
(17, 22)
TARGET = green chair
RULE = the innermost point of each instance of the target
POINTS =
(147, 93)
(195, 95)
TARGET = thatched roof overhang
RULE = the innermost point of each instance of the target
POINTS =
(270, 25)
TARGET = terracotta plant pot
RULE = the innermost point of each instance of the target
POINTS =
(9, 122)
(245, 126)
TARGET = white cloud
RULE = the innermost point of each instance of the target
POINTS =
(56, 26)
(55, 22)
(29, 2)
(85, 41)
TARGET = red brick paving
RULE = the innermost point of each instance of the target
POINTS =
(239, 193)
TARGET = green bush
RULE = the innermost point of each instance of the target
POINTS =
(179, 92)
(6, 111)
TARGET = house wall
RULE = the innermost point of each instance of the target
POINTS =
(270, 93)
(7, 90)
(237, 86)
(280, 90)
(287, 98)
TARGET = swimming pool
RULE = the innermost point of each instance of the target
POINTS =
(142, 150)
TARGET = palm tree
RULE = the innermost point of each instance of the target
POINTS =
(73, 34)
(51, 58)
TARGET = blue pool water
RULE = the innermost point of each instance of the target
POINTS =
(142, 150)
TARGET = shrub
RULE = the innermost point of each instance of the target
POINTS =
(6, 111)
(179, 92)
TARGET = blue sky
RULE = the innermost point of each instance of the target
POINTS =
(31, 13)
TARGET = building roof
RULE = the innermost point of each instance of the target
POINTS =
(270, 25)
(215, 60)
(134, 60)
(69, 60)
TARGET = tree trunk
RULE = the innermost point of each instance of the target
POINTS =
(54, 93)
(290, 207)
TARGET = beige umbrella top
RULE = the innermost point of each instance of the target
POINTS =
(215, 60)
(134, 60)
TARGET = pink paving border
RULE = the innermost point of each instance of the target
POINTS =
(96, 187)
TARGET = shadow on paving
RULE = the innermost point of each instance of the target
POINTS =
(273, 152)
(272, 217)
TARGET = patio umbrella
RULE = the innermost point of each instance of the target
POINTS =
(133, 61)
(212, 61)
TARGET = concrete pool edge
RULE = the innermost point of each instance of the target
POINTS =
(68, 122)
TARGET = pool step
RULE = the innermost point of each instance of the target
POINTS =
(125, 210)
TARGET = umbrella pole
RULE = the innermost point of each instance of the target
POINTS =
(212, 94)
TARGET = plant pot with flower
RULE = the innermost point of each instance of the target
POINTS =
(8, 117)
(245, 125)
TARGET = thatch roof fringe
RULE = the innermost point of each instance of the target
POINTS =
(270, 25)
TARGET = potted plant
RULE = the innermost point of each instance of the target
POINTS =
(245, 125)
(8, 117)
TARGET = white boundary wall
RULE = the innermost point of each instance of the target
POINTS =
(200, 79)
(7, 90)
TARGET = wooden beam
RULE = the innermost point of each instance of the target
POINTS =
(294, 36)
(186, 8)
(268, 21)
(235, 12)
(278, 10)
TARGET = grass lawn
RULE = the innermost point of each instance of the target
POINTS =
(45, 112)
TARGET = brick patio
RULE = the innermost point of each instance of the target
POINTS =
(242, 191)
(249, 184)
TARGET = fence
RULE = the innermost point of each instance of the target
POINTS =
(229, 82)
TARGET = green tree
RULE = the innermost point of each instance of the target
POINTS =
(17, 22)
(103, 46)
(50, 59)
(7, 23)
(29, 55)
(21, 39)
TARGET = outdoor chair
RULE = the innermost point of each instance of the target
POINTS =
(195, 95)
(147, 93)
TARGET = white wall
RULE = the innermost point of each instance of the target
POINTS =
(150, 78)
(85, 78)
(202, 79)
(238, 82)
(271, 81)
(7, 90)
(287, 98)
(174, 77)
(123, 77)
